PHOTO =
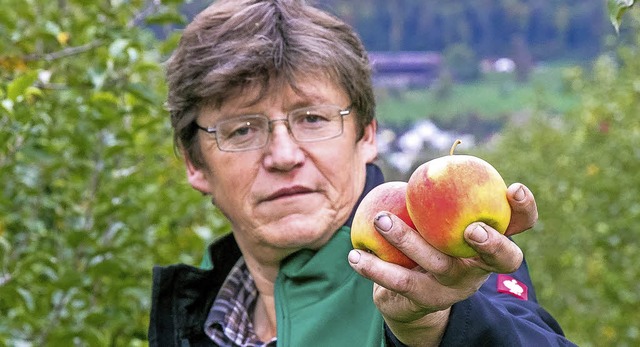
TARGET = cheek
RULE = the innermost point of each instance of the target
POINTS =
(345, 175)
(231, 179)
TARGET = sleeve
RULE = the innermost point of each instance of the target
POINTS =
(504, 312)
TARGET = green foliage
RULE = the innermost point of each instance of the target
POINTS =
(92, 193)
(583, 169)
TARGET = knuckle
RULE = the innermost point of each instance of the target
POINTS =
(505, 257)
(403, 239)
(515, 262)
(401, 283)
(400, 237)
(382, 296)
(494, 248)
(440, 264)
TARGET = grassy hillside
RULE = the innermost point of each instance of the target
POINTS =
(491, 98)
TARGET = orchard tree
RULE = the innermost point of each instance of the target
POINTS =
(583, 169)
(93, 194)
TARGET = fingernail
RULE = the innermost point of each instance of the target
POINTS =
(478, 234)
(354, 256)
(519, 195)
(383, 222)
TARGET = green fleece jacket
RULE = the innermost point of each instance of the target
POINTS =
(321, 301)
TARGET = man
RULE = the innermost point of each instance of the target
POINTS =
(272, 106)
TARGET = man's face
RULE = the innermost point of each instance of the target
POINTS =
(287, 195)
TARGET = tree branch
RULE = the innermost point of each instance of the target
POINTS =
(65, 52)
(152, 7)
(53, 318)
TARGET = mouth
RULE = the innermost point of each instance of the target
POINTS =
(288, 192)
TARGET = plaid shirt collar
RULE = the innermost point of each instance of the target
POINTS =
(229, 322)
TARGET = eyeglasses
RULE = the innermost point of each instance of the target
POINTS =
(309, 124)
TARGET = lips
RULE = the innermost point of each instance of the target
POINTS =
(288, 192)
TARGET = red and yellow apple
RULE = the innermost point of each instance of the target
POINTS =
(446, 194)
(389, 196)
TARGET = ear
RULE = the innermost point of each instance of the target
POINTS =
(368, 143)
(197, 176)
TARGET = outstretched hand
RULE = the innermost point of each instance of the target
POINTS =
(415, 303)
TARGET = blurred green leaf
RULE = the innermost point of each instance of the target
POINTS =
(27, 298)
(117, 47)
(616, 9)
(19, 86)
(143, 93)
(165, 18)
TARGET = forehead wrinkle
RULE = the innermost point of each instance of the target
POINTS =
(288, 96)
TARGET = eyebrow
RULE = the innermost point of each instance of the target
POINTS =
(298, 104)
(308, 103)
(302, 100)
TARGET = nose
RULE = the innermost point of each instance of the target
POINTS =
(282, 152)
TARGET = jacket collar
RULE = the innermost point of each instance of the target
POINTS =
(374, 178)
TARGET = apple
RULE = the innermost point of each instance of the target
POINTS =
(446, 194)
(389, 196)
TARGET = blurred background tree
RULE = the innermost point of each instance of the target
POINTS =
(92, 194)
(583, 168)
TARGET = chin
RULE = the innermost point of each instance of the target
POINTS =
(299, 232)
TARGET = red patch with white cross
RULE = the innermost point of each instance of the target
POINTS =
(510, 285)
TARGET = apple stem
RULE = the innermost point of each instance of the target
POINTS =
(453, 147)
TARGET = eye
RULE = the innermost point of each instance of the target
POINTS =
(240, 129)
(314, 118)
(311, 118)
